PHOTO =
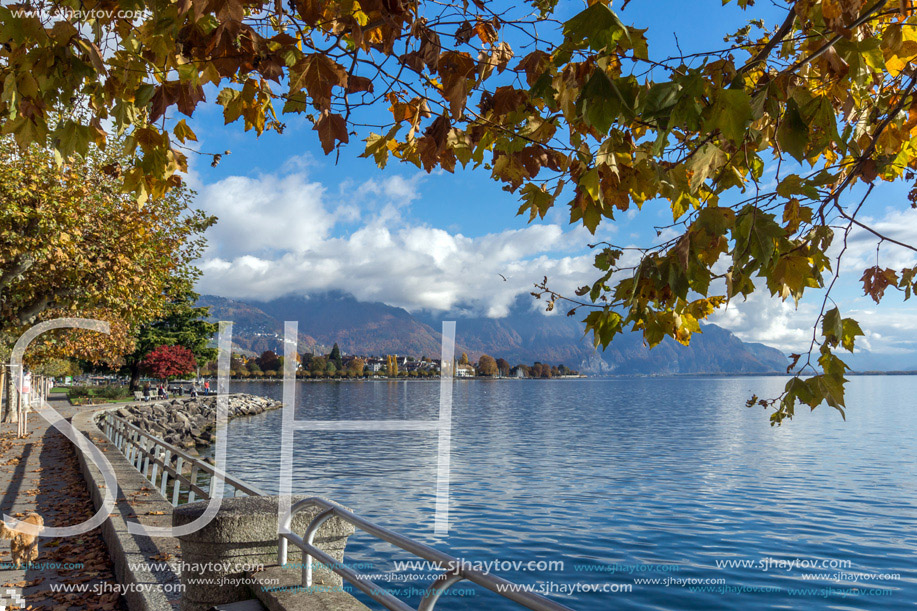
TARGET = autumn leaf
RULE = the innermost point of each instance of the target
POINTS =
(456, 68)
(331, 129)
(318, 74)
(875, 280)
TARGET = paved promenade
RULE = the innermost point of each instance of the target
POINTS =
(41, 474)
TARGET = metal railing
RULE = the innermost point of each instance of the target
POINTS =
(454, 569)
(190, 477)
(154, 458)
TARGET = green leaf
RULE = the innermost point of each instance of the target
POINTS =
(832, 327)
(72, 138)
(798, 389)
(830, 364)
(590, 184)
(536, 200)
(851, 331)
(756, 234)
(793, 133)
(604, 324)
(606, 259)
(731, 114)
(599, 102)
(597, 25)
(830, 389)
(705, 164)
(794, 185)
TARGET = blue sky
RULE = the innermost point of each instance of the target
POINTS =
(294, 221)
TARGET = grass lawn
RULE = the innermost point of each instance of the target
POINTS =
(80, 401)
(96, 395)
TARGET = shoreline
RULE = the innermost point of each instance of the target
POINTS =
(188, 423)
(384, 379)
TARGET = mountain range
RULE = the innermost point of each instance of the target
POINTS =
(524, 336)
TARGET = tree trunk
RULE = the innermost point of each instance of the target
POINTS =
(25, 402)
(135, 377)
(12, 399)
(4, 405)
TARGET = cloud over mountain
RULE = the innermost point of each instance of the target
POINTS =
(282, 234)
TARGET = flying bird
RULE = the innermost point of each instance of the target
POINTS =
(502, 276)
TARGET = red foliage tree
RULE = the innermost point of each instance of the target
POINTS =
(269, 361)
(169, 362)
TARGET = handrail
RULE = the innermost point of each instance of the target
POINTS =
(455, 570)
(154, 457)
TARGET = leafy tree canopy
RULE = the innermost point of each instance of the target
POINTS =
(317, 364)
(580, 113)
(487, 365)
(181, 323)
(335, 356)
(356, 365)
(166, 362)
(73, 244)
(269, 361)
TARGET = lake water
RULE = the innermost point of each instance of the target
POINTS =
(623, 481)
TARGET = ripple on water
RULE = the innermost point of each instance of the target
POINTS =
(658, 471)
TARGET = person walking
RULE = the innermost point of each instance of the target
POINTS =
(146, 392)
(207, 387)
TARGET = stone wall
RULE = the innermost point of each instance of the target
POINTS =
(190, 423)
(242, 539)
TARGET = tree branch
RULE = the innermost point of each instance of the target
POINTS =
(778, 36)
(22, 266)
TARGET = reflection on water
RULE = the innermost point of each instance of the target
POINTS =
(650, 471)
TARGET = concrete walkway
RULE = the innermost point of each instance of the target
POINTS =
(41, 474)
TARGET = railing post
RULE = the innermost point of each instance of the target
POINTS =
(166, 460)
(193, 479)
(152, 459)
(436, 589)
(150, 452)
(129, 443)
(309, 537)
(176, 485)
(141, 446)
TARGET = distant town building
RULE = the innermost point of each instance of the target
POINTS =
(317, 350)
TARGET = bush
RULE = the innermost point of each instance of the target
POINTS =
(77, 392)
(114, 392)
(110, 392)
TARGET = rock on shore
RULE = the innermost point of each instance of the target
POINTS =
(189, 423)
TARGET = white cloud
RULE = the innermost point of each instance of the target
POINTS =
(267, 213)
(276, 236)
(899, 225)
(767, 320)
